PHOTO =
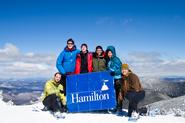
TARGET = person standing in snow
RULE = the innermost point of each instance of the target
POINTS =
(83, 60)
(132, 89)
(53, 97)
(66, 61)
(114, 66)
(99, 61)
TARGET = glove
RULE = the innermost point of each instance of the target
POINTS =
(112, 73)
(61, 91)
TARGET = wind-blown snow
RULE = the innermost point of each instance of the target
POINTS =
(25, 114)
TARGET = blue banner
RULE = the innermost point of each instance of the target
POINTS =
(91, 91)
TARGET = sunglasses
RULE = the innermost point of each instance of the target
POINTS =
(70, 43)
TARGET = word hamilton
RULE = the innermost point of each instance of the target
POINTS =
(94, 96)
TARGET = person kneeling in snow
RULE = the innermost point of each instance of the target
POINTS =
(132, 89)
(53, 97)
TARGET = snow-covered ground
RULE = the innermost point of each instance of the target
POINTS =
(174, 106)
(26, 114)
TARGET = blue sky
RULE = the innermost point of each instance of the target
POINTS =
(135, 25)
(132, 26)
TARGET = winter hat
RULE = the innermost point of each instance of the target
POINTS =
(84, 45)
(70, 40)
(125, 66)
(99, 47)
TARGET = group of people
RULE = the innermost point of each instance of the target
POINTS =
(74, 61)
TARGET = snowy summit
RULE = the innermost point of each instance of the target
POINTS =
(31, 114)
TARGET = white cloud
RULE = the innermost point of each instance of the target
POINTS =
(29, 54)
(13, 63)
(9, 52)
(23, 65)
(148, 57)
(154, 64)
(8, 48)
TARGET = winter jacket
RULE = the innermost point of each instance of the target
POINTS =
(51, 87)
(99, 62)
(83, 63)
(66, 60)
(114, 63)
(131, 83)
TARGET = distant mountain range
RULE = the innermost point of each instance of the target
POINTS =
(22, 91)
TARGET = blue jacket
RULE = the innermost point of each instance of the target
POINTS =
(66, 61)
(114, 63)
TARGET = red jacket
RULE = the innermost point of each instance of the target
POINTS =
(78, 63)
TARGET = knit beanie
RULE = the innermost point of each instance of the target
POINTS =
(125, 66)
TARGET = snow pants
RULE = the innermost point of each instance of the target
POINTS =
(134, 98)
(53, 103)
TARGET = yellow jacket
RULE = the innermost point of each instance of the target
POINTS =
(51, 87)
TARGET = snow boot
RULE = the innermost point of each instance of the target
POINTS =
(134, 116)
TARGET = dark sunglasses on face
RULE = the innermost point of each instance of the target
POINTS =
(70, 43)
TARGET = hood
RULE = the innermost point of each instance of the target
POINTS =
(112, 49)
